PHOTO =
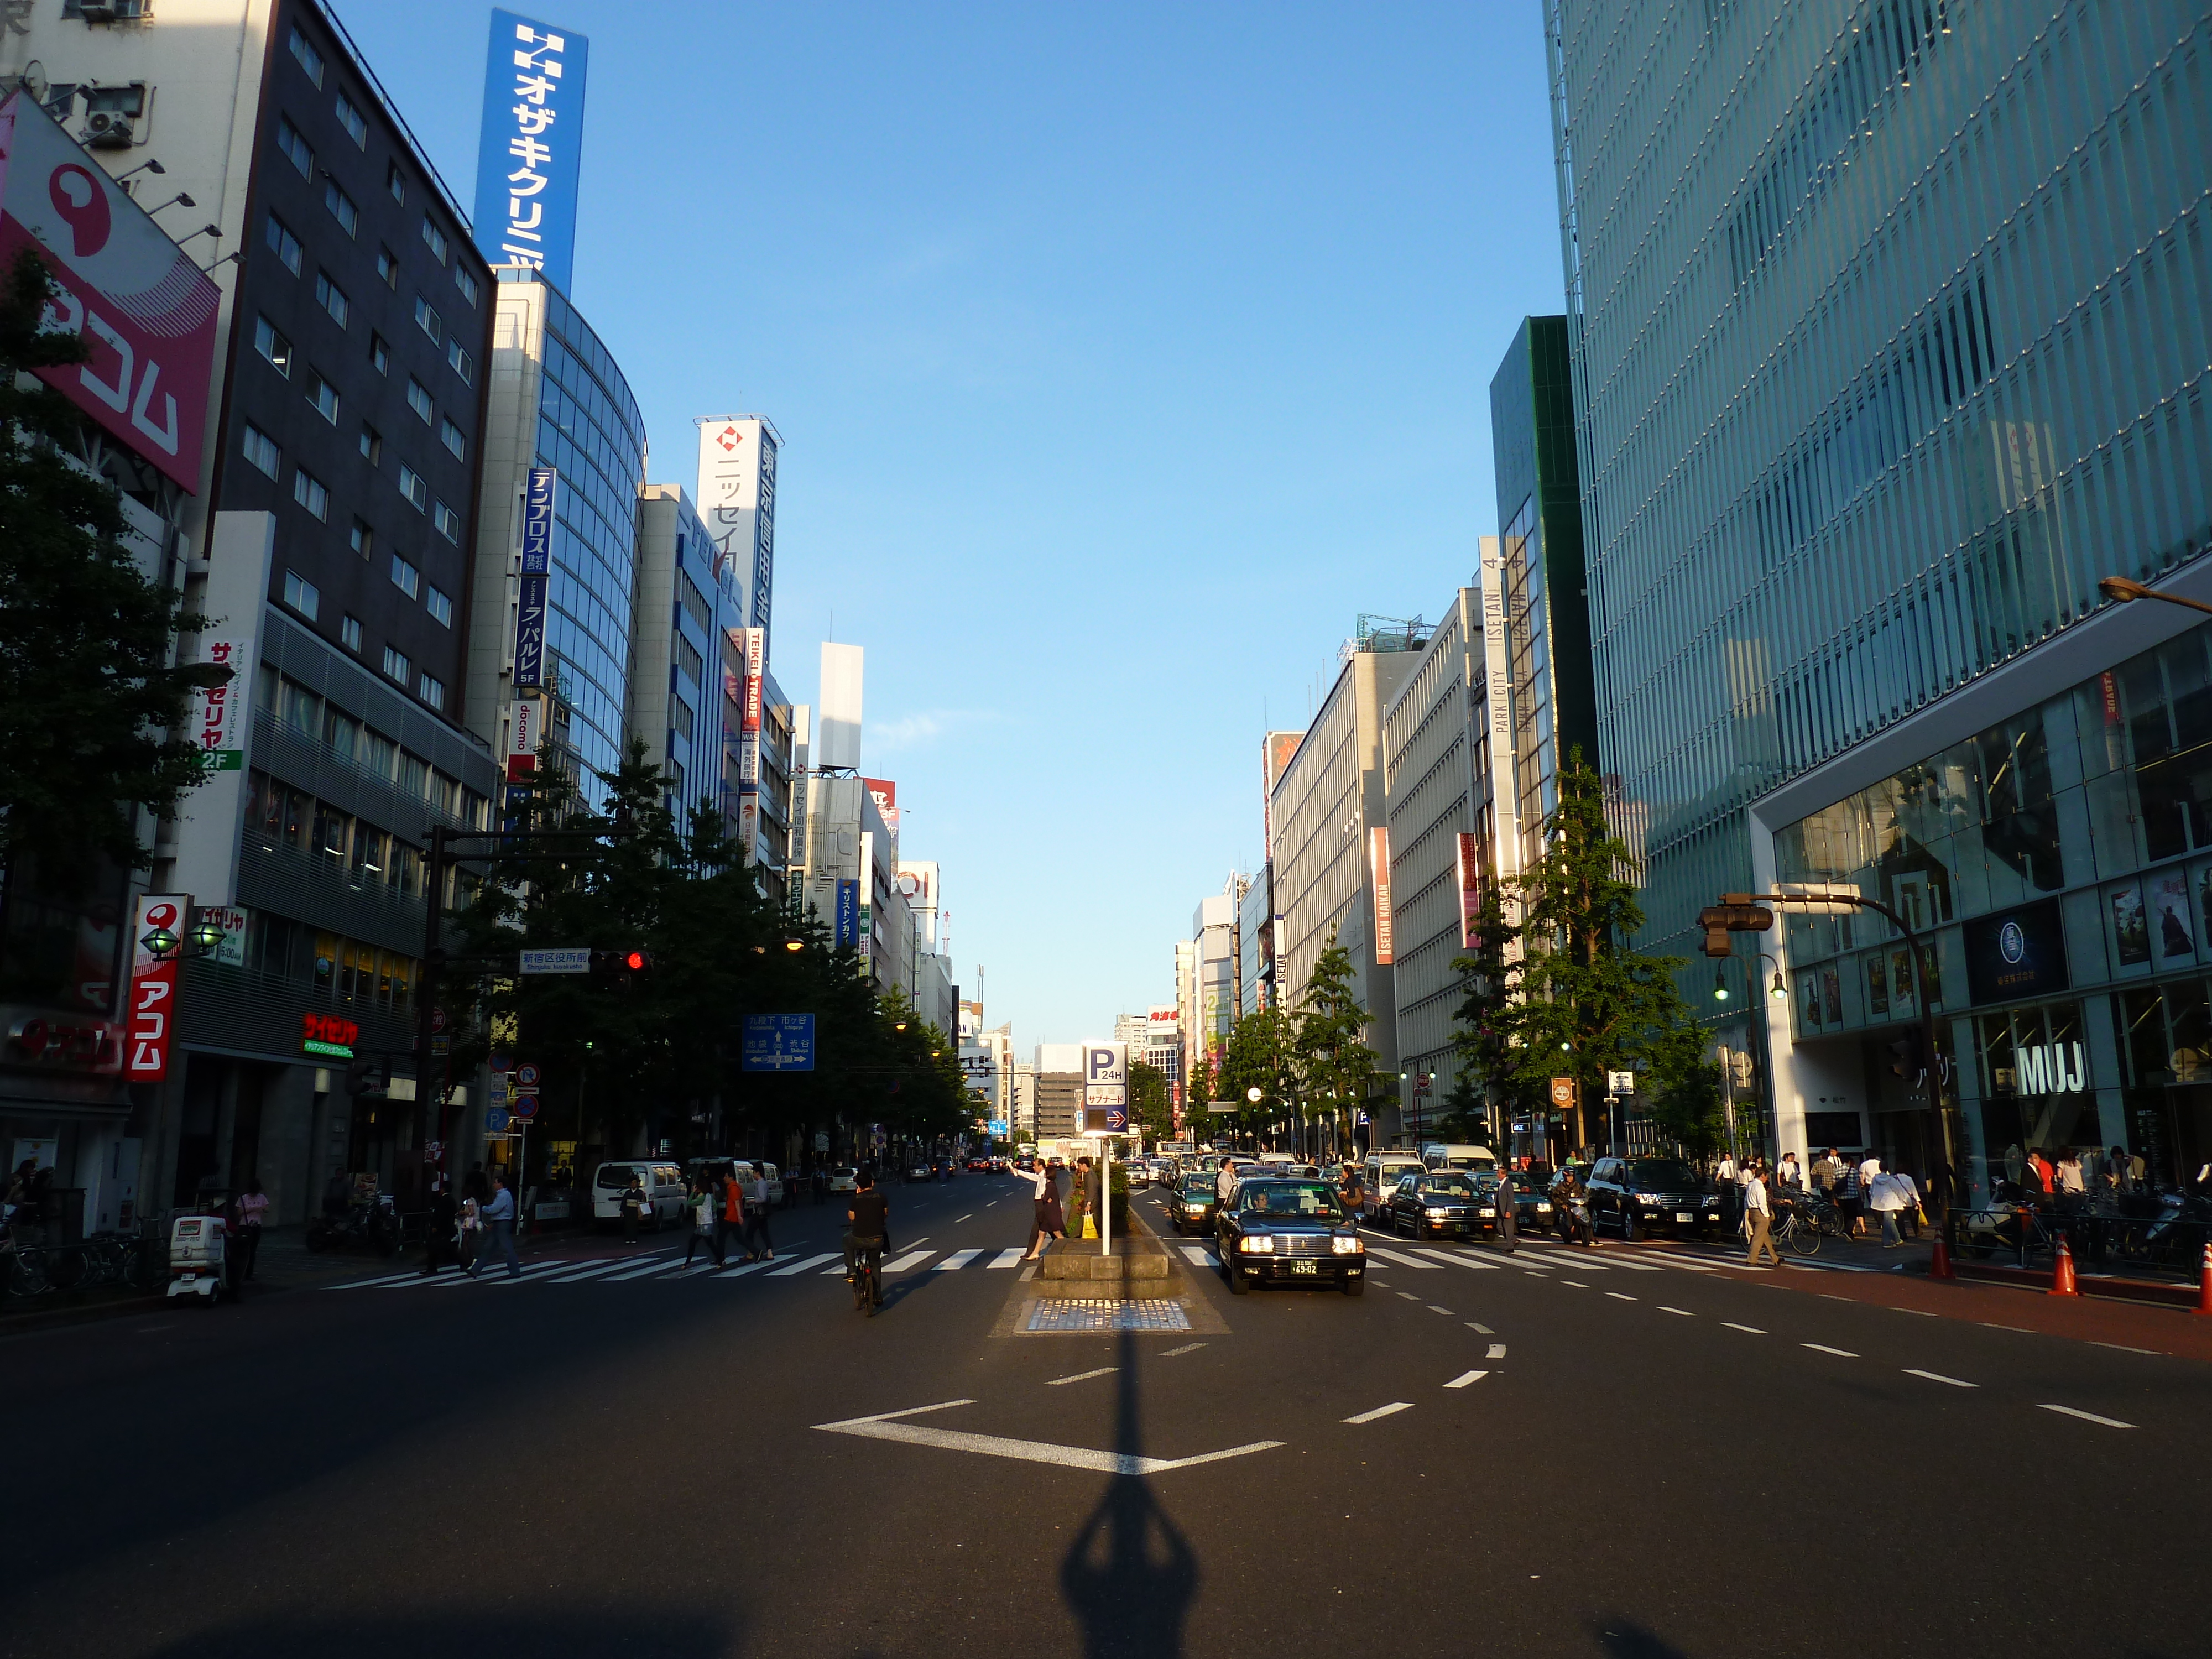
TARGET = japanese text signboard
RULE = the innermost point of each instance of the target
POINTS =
(529, 145)
(152, 1023)
(778, 1043)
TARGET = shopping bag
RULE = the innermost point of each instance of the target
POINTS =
(1090, 1228)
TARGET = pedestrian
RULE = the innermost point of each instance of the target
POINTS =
(1224, 1184)
(1910, 1216)
(1791, 1175)
(1762, 1222)
(633, 1207)
(1044, 1194)
(1850, 1195)
(756, 1219)
(730, 1229)
(499, 1229)
(1886, 1198)
(699, 1210)
(1726, 1178)
(1827, 1172)
(821, 1182)
(1509, 1224)
(253, 1211)
(2045, 1176)
(2071, 1186)
(1079, 1197)
(468, 1236)
(1353, 1193)
(438, 1241)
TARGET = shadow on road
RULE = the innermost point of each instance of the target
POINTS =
(544, 1634)
(1624, 1638)
(1130, 1576)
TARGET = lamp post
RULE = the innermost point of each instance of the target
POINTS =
(2120, 590)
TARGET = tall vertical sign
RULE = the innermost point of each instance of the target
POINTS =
(737, 499)
(529, 145)
(151, 1027)
(536, 567)
(1498, 690)
(216, 710)
(1470, 886)
(868, 924)
(1378, 873)
(755, 645)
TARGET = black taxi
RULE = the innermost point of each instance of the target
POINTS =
(1290, 1232)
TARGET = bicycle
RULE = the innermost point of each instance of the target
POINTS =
(27, 1268)
(868, 1278)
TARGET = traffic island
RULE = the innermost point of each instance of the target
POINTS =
(1139, 1267)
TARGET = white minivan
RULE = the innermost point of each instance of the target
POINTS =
(663, 1191)
(1474, 1160)
(1379, 1177)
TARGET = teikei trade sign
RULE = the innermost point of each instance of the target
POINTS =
(529, 145)
(151, 1021)
(136, 299)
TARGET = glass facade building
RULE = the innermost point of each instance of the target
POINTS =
(1889, 322)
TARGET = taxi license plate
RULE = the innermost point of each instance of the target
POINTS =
(1684, 1215)
(1305, 1267)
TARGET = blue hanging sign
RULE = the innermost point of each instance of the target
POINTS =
(778, 1043)
(529, 145)
(530, 634)
(849, 915)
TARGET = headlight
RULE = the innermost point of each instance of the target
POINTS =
(1440, 1210)
(1712, 1201)
(1257, 1244)
(1487, 1210)
(1346, 1245)
(1647, 1198)
(1543, 1208)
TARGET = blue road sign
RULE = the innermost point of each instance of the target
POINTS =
(495, 1121)
(778, 1043)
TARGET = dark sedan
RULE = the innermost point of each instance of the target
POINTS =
(1633, 1196)
(1290, 1232)
(1532, 1202)
(1441, 1204)
(1191, 1206)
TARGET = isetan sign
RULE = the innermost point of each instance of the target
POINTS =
(140, 303)
(1378, 860)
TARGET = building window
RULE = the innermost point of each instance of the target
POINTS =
(388, 268)
(464, 365)
(396, 664)
(432, 690)
(296, 149)
(309, 59)
(429, 320)
(261, 449)
(412, 487)
(350, 631)
(351, 117)
(406, 578)
(372, 445)
(362, 539)
(309, 491)
(439, 604)
(332, 299)
(418, 399)
(454, 439)
(467, 282)
(342, 208)
(299, 593)
(449, 524)
(434, 240)
(325, 397)
(270, 343)
(284, 244)
(379, 353)
(396, 182)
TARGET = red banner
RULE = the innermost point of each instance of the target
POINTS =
(151, 1022)
(1378, 860)
(1470, 887)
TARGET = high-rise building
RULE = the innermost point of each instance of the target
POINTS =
(738, 458)
(1888, 324)
(676, 699)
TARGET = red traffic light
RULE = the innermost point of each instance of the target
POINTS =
(637, 961)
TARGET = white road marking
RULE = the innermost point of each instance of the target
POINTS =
(1497, 1349)
(883, 1427)
(1620, 1296)
(534, 1271)
(389, 1278)
(1482, 1330)
(1409, 1296)
(957, 1219)
(1574, 1285)
(910, 1259)
(2123, 1348)
(1381, 1410)
(1188, 1347)
(1083, 1377)
(1199, 1257)
(1822, 1347)
(960, 1259)
(742, 1269)
(1462, 1260)
(1685, 1312)
(1938, 1377)
(1405, 1260)
(1465, 1378)
(801, 1267)
(1446, 1312)
(640, 1271)
(1752, 1330)
(1007, 1257)
(2088, 1417)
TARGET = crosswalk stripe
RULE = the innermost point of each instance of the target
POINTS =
(1405, 1260)
(811, 1261)
(1461, 1261)
(741, 1269)
(911, 1259)
(1199, 1256)
(957, 1259)
(389, 1278)
(1007, 1257)
(590, 1272)
(486, 1273)
(640, 1272)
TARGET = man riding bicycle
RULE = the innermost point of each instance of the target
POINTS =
(867, 1228)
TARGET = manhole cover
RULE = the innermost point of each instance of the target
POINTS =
(1053, 1316)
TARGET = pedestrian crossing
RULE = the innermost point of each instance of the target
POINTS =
(665, 1265)
(1532, 1260)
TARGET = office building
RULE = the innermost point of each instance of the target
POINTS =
(678, 704)
(1213, 935)
(1908, 361)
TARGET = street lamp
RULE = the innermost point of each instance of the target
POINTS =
(1720, 986)
(2120, 589)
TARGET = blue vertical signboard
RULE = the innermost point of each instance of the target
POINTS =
(848, 914)
(536, 564)
(529, 146)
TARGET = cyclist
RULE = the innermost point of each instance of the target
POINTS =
(867, 1225)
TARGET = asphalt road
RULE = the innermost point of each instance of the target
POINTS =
(1625, 1454)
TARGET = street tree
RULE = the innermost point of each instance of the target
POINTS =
(1335, 1065)
(1152, 1103)
(1260, 1054)
(1487, 1087)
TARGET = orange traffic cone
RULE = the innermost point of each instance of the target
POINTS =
(1939, 1264)
(2205, 1283)
(2061, 1272)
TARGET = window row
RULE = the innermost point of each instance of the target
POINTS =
(306, 712)
(267, 456)
(339, 967)
(285, 244)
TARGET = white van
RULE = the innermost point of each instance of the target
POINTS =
(1474, 1160)
(663, 1191)
(1379, 1176)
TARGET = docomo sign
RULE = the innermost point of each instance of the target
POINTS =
(147, 312)
(150, 1026)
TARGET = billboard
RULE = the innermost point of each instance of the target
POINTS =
(215, 721)
(135, 298)
(737, 501)
(848, 914)
(1105, 1089)
(529, 145)
(1470, 887)
(917, 884)
(1162, 1020)
(837, 734)
(536, 565)
(1275, 752)
(885, 792)
(151, 1026)
(1498, 688)
(1378, 865)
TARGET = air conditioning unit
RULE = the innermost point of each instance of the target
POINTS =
(108, 129)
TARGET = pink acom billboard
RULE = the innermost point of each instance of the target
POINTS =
(147, 312)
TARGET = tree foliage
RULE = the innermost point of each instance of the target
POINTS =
(1261, 1053)
(1335, 1065)
(89, 697)
(1152, 1103)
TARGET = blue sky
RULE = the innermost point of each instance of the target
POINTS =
(1122, 354)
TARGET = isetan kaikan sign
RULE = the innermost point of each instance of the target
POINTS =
(137, 300)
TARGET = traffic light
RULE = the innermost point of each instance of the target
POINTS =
(622, 968)
(1735, 913)
(366, 1078)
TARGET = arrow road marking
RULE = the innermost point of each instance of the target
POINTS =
(881, 1426)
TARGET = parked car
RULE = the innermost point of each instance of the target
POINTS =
(1634, 1195)
(1191, 1205)
(1278, 1231)
(1440, 1203)
(663, 1191)
(844, 1178)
